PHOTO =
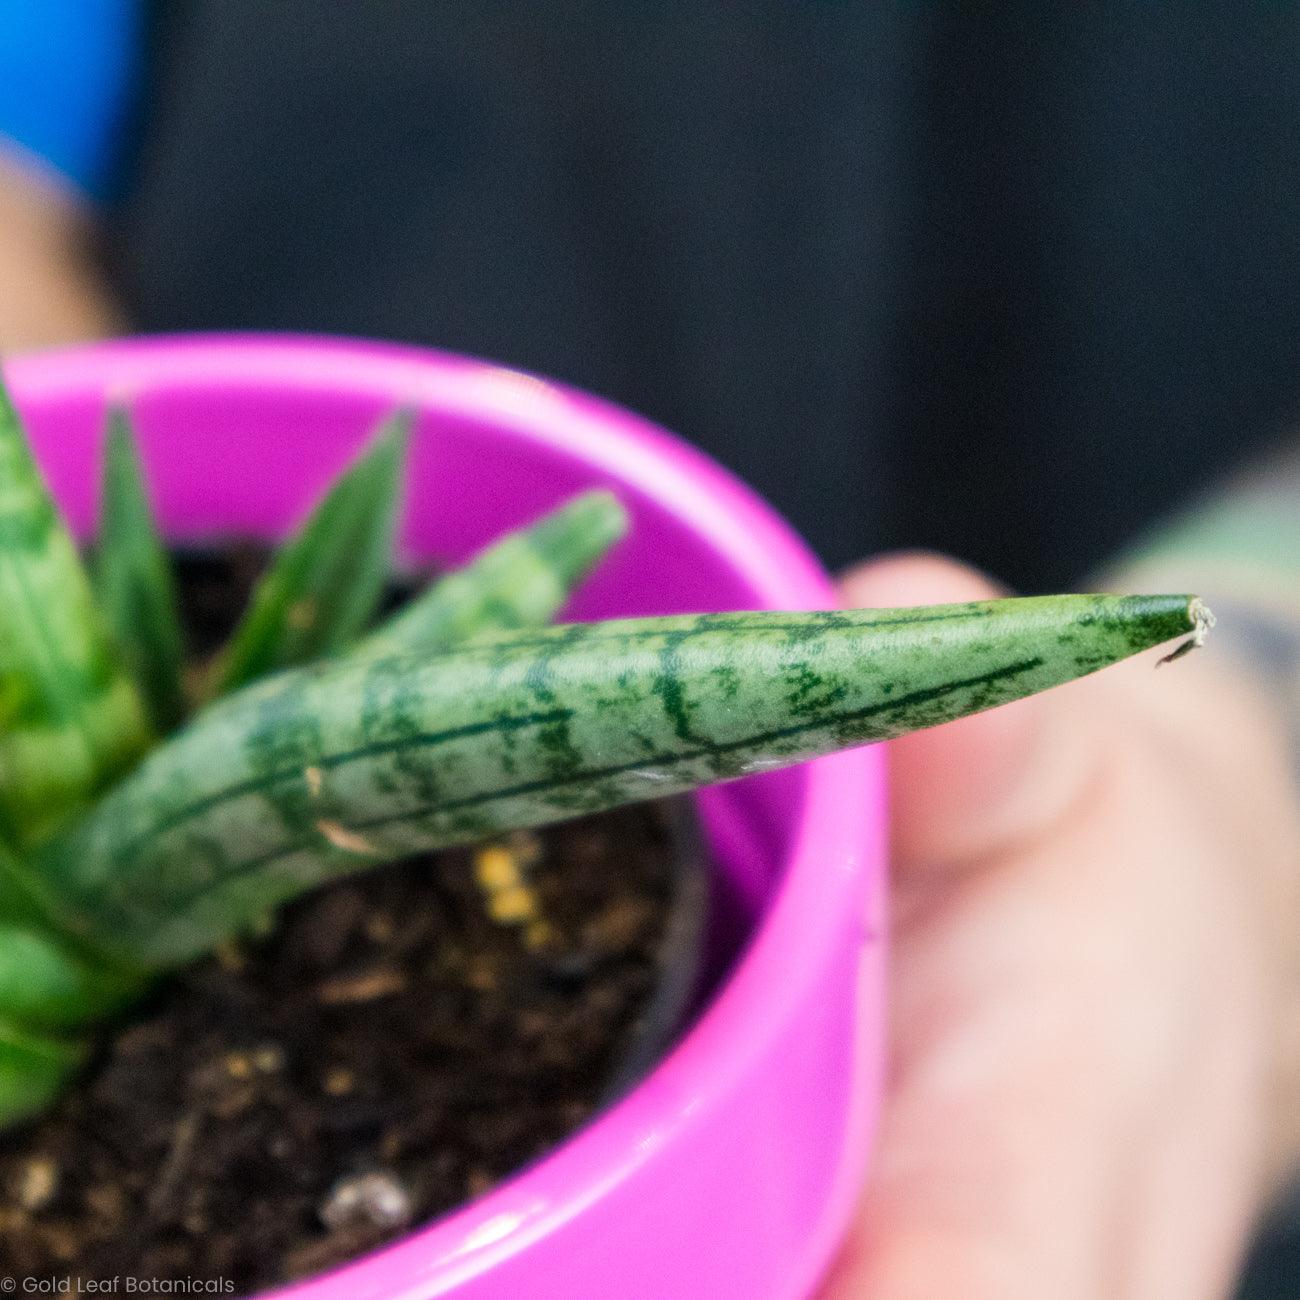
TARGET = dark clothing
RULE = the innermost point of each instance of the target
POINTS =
(1006, 280)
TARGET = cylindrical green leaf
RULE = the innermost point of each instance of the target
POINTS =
(34, 1069)
(71, 718)
(521, 581)
(45, 984)
(326, 582)
(321, 772)
(133, 580)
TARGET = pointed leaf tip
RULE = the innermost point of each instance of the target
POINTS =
(327, 580)
(580, 532)
(73, 718)
(1201, 618)
(521, 580)
(133, 579)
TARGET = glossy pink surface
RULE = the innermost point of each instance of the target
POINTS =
(731, 1170)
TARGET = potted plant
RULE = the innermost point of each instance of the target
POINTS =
(729, 1170)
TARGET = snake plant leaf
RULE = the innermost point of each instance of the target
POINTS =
(52, 992)
(133, 579)
(47, 985)
(71, 718)
(326, 582)
(520, 581)
(34, 1070)
(326, 770)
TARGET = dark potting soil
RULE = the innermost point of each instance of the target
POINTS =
(400, 1043)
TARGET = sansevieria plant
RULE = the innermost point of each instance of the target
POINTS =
(151, 810)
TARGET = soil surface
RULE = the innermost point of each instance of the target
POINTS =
(402, 1041)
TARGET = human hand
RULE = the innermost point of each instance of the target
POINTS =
(1094, 991)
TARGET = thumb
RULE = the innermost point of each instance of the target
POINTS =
(974, 787)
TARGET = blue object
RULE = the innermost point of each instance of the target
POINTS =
(68, 72)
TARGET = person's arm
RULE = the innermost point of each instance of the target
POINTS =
(68, 74)
(1240, 547)
(51, 291)
(1095, 1003)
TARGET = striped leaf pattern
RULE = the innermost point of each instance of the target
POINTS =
(324, 771)
(71, 718)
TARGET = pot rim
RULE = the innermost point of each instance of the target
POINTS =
(836, 841)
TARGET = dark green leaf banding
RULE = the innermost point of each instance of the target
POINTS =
(377, 759)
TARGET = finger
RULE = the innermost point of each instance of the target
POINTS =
(966, 790)
(1046, 1008)
(998, 1164)
(978, 1189)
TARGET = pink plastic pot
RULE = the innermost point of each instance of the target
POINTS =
(731, 1171)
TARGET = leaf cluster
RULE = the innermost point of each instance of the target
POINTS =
(94, 679)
